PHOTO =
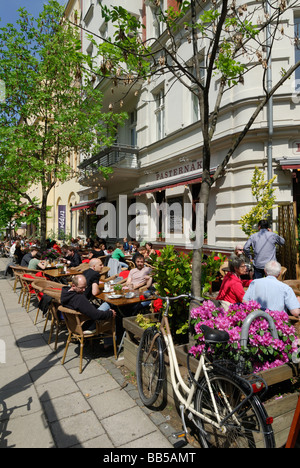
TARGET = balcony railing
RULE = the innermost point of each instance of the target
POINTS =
(123, 156)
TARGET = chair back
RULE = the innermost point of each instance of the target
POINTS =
(42, 284)
(81, 267)
(130, 264)
(295, 285)
(114, 267)
(74, 320)
(281, 277)
(104, 272)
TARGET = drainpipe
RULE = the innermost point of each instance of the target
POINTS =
(270, 102)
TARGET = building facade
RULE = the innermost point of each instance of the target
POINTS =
(158, 156)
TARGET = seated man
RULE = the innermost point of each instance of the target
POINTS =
(92, 276)
(273, 294)
(139, 276)
(74, 298)
(29, 256)
(73, 258)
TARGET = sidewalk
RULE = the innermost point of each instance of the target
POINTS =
(44, 404)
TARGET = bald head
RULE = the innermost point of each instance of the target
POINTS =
(78, 283)
(96, 264)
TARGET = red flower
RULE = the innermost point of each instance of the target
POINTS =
(157, 305)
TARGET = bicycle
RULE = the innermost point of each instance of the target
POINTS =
(223, 404)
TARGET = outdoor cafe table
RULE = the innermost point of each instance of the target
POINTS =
(119, 303)
(56, 273)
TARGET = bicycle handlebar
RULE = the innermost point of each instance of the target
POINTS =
(182, 296)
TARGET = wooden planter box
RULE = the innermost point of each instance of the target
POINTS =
(281, 409)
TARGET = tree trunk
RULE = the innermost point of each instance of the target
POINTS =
(44, 220)
(197, 254)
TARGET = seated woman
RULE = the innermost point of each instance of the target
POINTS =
(96, 251)
(149, 248)
(118, 254)
(232, 287)
(37, 263)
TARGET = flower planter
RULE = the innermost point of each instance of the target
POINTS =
(281, 408)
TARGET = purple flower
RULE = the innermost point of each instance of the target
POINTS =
(264, 352)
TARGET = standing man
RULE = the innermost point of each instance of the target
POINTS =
(263, 244)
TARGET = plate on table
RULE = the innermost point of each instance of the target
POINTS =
(130, 295)
(114, 296)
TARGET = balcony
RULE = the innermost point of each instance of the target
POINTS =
(123, 159)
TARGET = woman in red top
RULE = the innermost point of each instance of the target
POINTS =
(232, 287)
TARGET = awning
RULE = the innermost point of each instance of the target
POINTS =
(164, 187)
(161, 186)
(84, 205)
(289, 163)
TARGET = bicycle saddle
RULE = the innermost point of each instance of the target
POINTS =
(214, 336)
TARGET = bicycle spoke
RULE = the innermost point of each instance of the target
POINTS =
(245, 428)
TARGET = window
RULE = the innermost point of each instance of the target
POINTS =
(195, 100)
(132, 126)
(160, 114)
(103, 30)
(175, 215)
(157, 24)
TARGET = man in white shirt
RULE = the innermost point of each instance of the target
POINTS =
(273, 294)
(139, 276)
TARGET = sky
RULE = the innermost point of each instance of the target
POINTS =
(9, 9)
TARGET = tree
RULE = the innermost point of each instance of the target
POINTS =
(50, 108)
(263, 192)
(235, 40)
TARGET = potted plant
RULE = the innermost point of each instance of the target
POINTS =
(210, 270)
(172, 277)
(161, 236)
(117, 288)
(263, 352)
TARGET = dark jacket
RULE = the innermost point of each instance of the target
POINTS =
(75, 260)
(80, 302)
(26, 259)
(91, 277)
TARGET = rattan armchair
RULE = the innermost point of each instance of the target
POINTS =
(75, 320)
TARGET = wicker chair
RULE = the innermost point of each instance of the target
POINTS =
(281, 277)
(82, 267)
(75, 321)
(56, 320)
(295, 285)
(52, 289)
(27, 291)
(18, 272)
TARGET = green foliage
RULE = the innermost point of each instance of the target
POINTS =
(51, 108)
(263, 192)
(145, 322)
(210, 270)
(172, 277)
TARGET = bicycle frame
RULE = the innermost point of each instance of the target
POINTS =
(179, 383)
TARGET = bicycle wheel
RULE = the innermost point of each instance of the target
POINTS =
(150, 366)
(246, 428)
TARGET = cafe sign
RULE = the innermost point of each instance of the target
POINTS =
(187, 167)
(61, 220)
